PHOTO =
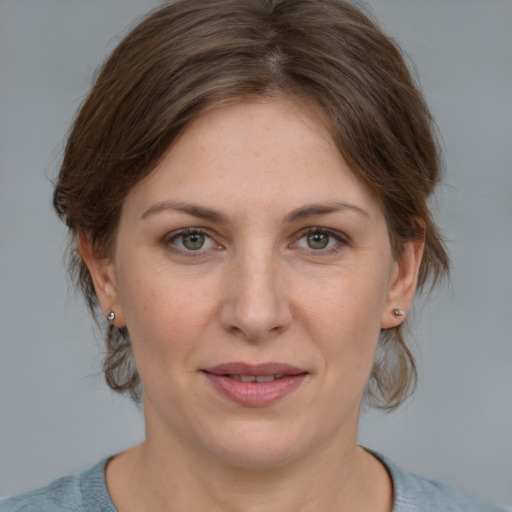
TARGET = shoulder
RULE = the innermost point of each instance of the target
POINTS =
(414, 493)
(81, 492)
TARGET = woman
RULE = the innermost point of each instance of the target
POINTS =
(246, 188)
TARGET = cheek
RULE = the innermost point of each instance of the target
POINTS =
(347, 304)
(344, 320)
(164, 311)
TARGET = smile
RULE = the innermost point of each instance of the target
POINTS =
(255, 378)
(255, 385)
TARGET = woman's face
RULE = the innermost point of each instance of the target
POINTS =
(254, 273)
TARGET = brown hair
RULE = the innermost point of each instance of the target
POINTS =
(193, 55)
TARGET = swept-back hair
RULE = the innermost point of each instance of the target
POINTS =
(193, 55)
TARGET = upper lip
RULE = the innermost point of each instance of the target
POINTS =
(240, 368)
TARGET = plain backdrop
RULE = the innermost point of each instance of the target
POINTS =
(56, 414)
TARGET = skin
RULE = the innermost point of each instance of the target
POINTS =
(258, 290)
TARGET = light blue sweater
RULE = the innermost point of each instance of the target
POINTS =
(87, 492)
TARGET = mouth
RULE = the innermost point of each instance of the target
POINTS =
(255, 378)
(255, 385)
(266, 370)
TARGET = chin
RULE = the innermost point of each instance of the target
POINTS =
(260, 447)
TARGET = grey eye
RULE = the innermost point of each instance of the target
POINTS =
(318, 240)
(191, 241)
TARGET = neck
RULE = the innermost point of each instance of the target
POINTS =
(160, 476)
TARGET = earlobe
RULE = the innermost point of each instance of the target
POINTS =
(102, 273)
(404, 282)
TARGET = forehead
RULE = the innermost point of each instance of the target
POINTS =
(263, 127)
(266, 153)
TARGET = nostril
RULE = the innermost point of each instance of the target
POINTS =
(255, 328)
(254, 304)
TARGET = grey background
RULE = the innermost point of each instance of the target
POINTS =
(56, 415)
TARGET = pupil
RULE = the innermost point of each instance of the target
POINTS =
(318, 241)
(193, 241)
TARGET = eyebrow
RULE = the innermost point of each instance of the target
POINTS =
(301, 213)
(194, 210)
(324, 209)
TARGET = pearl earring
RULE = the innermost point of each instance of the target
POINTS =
(398, 312)
(111, 316)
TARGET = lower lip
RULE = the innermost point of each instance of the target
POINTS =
(255, 394)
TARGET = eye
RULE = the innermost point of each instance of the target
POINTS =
(320, 240)
(191, 240)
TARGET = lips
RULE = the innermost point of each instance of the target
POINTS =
(255, 385)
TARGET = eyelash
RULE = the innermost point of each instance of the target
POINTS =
(169, 242)
(341, 241)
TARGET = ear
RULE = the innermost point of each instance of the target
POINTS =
(101, 269)
(403, 283)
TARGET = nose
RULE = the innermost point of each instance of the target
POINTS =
(255, 304)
